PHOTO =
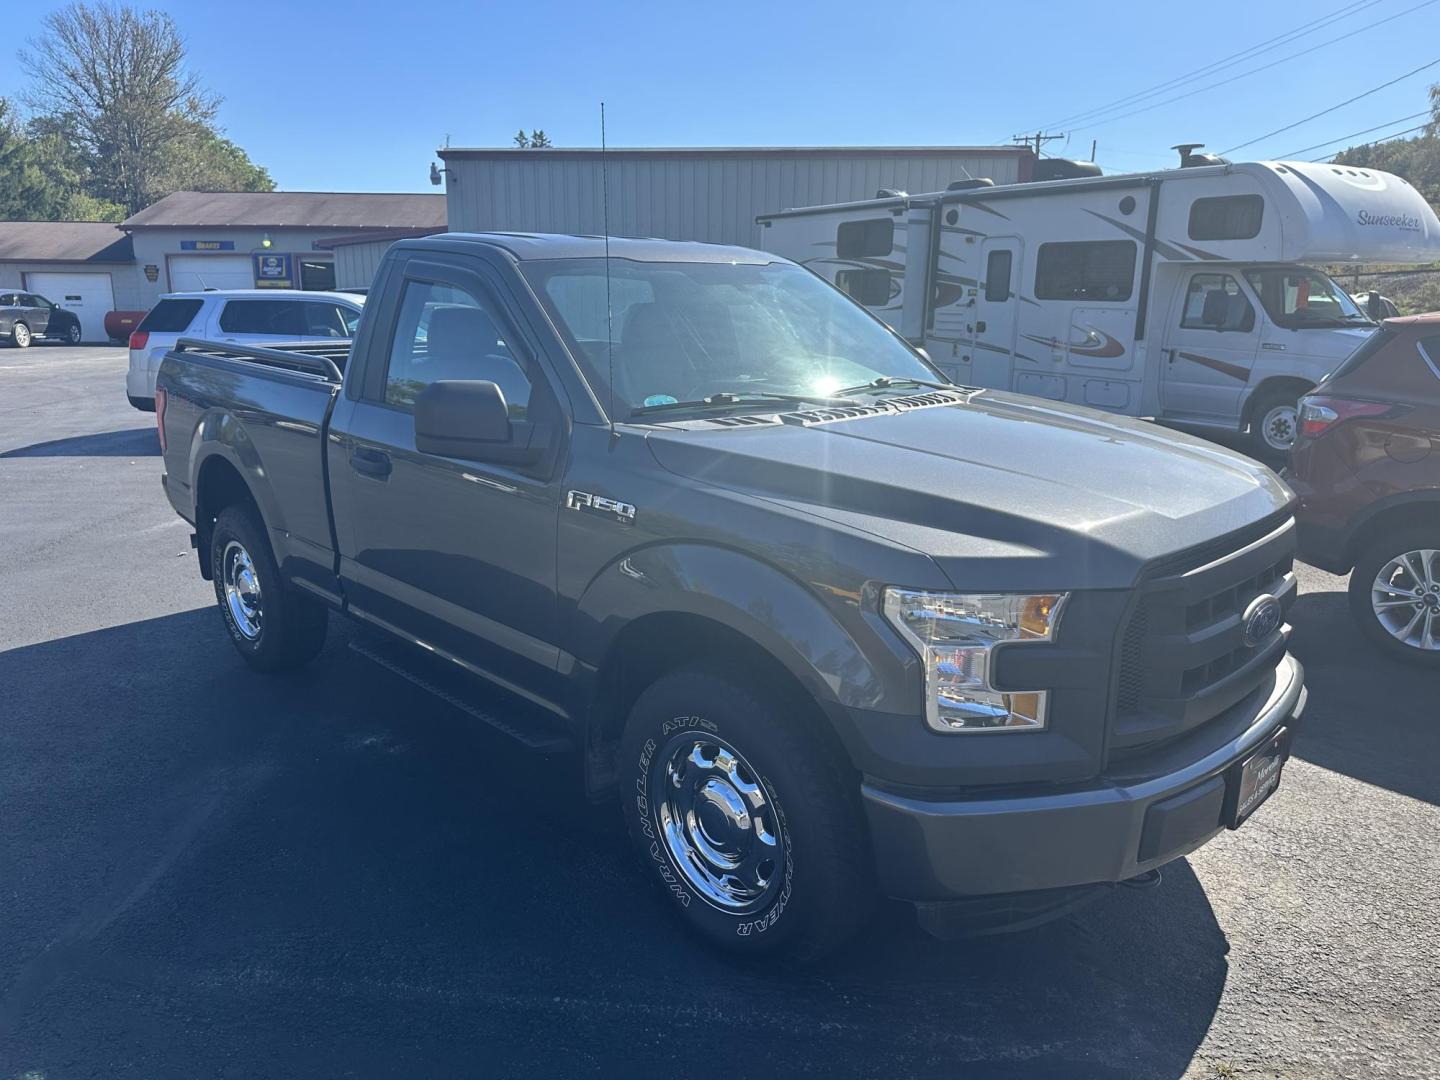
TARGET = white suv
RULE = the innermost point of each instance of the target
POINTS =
(244, 316)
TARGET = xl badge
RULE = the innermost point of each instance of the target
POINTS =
(583, 500)
(1262, 618)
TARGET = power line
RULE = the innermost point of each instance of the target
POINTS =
(1353, 134)
(1228, 61)
(1332, 108)
(1383, 138)
(1254, 71)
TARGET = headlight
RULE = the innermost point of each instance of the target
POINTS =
(955, 636)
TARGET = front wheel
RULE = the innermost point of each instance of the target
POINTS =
(272, 626)
(1395, 594)
(73, 335)
(1274, 422)
(747, 818)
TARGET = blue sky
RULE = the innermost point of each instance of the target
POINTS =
(356, 96)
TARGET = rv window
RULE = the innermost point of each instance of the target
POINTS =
(997, 277)
(1226, 217)
(865, 239)
(1085, 270)
(868, 285)
(1215, 302)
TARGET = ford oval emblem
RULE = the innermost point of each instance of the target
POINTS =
(1262, 618)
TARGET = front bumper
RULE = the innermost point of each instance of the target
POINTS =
(1107, 831)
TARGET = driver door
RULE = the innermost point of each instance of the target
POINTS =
(459, 555)
(1212, 340)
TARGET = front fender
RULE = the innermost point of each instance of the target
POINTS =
(836, 647)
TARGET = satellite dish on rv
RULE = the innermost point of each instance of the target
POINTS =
(1189, 159)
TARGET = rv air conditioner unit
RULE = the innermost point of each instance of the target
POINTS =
(1063, 169)
(968, 184)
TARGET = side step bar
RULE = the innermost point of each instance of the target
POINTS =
(519, 719)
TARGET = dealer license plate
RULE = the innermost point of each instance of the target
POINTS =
(1255, 779)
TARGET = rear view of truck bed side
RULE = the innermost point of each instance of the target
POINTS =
(217, 439)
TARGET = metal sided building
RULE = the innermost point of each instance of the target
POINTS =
(710, 194)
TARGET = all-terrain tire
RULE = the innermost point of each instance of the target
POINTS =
(751, 764)
(273, 627)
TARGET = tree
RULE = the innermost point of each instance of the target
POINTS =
(539, 140)
(114, 81)
(27, 192)
(522, 140)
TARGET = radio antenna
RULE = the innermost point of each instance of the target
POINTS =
(609, 313)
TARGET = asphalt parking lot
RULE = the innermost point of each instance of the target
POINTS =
(208, 873)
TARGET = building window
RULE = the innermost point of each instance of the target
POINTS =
(317, 274)
(865, 239)
(868, 285)
(997, 277)
(1226, 217)
(1085, 270)
(1215, 302)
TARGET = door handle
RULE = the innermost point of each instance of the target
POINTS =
(370, 462)
(980, 326)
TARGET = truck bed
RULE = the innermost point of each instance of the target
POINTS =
(265, 410)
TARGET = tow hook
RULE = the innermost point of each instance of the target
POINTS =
(1148, 880)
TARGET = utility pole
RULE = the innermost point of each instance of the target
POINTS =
(1039, 139)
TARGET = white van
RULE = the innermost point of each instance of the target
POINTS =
(1178, 295)
(244, 316)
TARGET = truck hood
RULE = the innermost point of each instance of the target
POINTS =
(1003, 492)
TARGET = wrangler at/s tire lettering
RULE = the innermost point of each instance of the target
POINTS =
(745, 816)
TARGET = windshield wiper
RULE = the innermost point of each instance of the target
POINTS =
(725, 400)
(885, 382)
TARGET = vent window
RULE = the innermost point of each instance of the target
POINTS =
(1085, 270)
(865, 239)
(1226, 217)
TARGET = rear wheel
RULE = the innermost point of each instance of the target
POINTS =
(272, 626)
(748, 819)
(20, 335)
(1395, 594)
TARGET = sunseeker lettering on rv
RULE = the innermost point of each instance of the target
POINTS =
(1396, 221)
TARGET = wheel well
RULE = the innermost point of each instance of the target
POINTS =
(219, 485)
(652, 645)
(1404, 516)
(1287, 383)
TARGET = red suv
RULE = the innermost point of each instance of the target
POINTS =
(1366, 466)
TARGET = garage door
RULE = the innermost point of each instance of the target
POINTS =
(190, 273)
(88, 295)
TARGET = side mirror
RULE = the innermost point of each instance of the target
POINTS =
(469, 419)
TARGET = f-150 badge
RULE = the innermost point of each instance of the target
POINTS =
(583, 500)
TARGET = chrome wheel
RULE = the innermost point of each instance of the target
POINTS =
(73, 335)
(1405, 598)
(21, 335)
(242, 590)
(1277, 427)
(718, 822)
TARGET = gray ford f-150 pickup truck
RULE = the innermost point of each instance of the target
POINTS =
(831, 626)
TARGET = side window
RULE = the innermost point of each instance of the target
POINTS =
(7, 299)
(444, 332)
(1215, 302)
(865, 239)
(1085, 270)
(997, 277)
(272, 318)
(1429, 351)
(170, 316)
(1226, 217)
(322, 320)
(868, 285)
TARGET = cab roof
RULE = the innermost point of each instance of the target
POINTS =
(530, 247)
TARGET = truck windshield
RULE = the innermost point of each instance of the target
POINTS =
(728, 332)
(1300, 299)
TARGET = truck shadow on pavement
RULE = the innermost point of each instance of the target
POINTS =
(332, 873)
(132, 442)
(1369, 717)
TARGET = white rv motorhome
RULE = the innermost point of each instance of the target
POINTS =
(1180, 295)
